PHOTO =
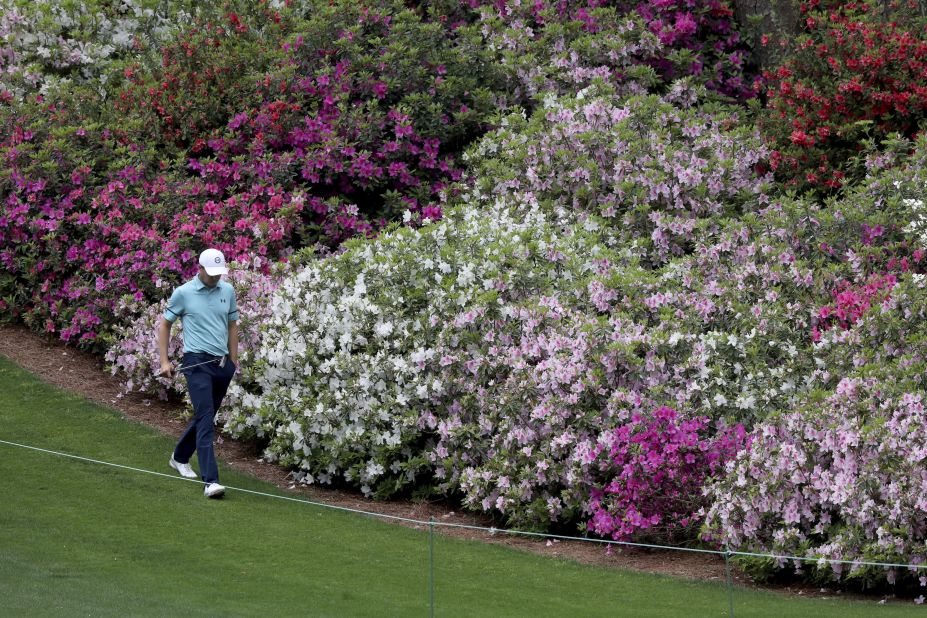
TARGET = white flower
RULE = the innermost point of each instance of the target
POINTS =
(373, 470)
(360, 288)
(746, 402)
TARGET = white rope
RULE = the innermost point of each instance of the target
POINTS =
(558, 537)
(831, 560)
(180, 478)
(491, 531)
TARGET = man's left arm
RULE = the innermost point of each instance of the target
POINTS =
(233, 329)
(233, 341)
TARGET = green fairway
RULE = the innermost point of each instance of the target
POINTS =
(80, 538)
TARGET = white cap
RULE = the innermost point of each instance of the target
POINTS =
(214, 262)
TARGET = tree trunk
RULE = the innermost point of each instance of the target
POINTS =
(777, 18)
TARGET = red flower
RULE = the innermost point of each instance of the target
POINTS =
(800, 138)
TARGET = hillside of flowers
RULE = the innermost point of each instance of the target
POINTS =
(579, 265)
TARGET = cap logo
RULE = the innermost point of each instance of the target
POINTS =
(218, 260)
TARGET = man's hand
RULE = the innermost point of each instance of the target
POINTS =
(167, 370)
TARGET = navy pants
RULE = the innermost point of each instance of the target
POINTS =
(207, 385)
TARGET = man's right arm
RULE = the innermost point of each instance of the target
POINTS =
(164, 336)
(174, 310)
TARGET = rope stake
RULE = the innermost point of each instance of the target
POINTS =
(431, 564)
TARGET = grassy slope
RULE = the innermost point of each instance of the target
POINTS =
(78, 538)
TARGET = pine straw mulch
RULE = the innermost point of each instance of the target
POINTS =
(85, 374)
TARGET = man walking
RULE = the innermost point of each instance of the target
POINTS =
(207, 307)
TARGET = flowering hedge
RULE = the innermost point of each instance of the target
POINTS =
(540, 340)
(504, 390)
(387, 386)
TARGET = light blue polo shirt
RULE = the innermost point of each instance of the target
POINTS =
(206, 313)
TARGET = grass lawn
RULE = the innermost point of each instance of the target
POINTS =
(78, 538)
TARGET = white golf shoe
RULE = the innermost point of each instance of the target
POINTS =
(214, 490)
(183, 468)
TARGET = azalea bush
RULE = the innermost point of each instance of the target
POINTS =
(497, 387)
(652, 167)
(348, 366)
(96, 211)
(499, 394)
(656, 468)
(107, 198)
(838, 479)
(502, 395)
(559, 46)
(854, 74)
(362, 108)
(533, 386)
(205, 73)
